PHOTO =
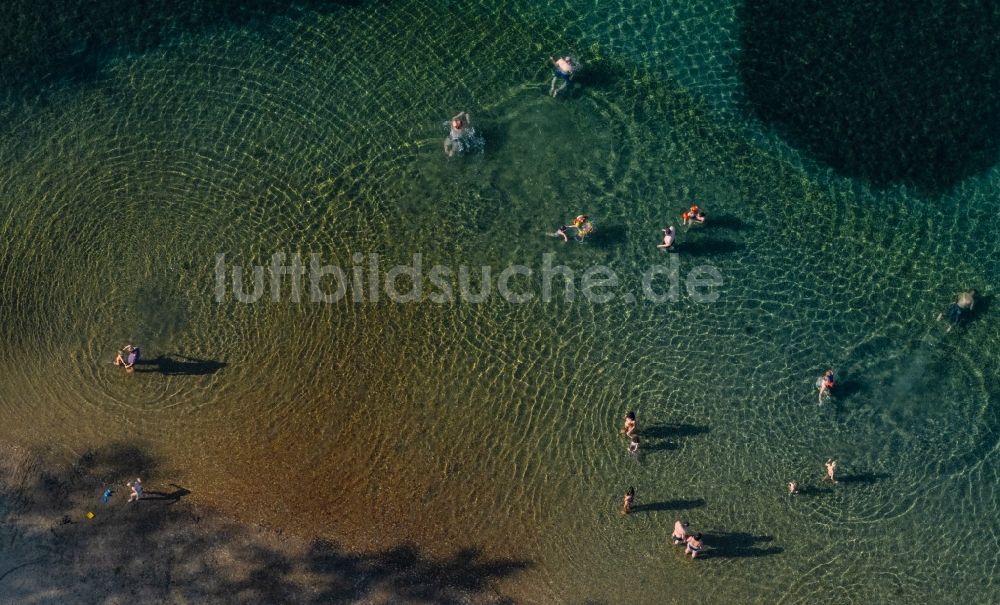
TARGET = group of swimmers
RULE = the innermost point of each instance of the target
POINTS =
(831, 474)
(582, 225)
(826, 383)
(127, 357)
(694, 216)
(462, 136)
(692, 542)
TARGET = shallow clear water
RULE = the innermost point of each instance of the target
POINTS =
(494, 424)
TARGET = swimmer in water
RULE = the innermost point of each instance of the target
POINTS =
(562, 72)
(694, 545)
(668, 238)
(561, 232)
(583, 227)
(793, 488)
(680, 532)
(459, 127)
(692, 216)
(825, 384)
(633, 446)
(966, 301)
(629, 428)
(128, 357)
(831, 469)
(629, 498)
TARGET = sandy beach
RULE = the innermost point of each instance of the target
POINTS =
(167, 549)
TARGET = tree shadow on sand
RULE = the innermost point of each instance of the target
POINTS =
(183, 553)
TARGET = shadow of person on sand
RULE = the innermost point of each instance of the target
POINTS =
(668, 505)
(172, 497)
(737, 545)
(172, 364)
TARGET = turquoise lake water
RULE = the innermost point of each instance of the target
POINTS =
(845, 157)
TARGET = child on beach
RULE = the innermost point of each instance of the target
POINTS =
(136, 487)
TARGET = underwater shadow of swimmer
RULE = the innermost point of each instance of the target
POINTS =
(726, 221)
(737, 545)
(847, 388)
(608, 236)
(664, 431)
(672, 430)
(180, 365)
(981, 307)
(668, 505)
(709, 246)
(599, 74)
(495, 134)
(863, 478)
(814, 491)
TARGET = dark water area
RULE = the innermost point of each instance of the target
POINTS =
(53, 40)
(891, 92)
